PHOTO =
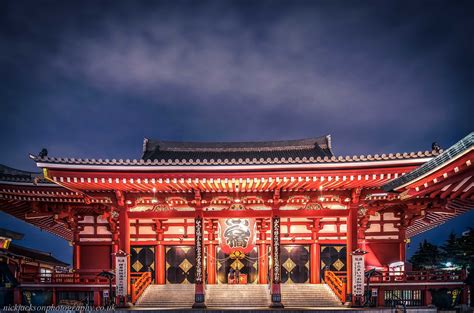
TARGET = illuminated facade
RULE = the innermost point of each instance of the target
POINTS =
(276, 213)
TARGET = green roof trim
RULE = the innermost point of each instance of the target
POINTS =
(457, 149)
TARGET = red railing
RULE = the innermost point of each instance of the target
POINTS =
(420, 276)
(337, 280)
(62, 278)
(337, 284)
(140, 281)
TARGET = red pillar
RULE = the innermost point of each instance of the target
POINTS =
(76, 256)
(17, 296)
(315, 255)
(160, 263)
(262, 263)
(115, 249)
(428, 298)
(54, 297)
(211, 263)
(96, 297)
(211, 252)
(76, 252)
(381, 297)
(402, 244)
(351, 243)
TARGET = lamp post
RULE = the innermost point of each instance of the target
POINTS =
(109, 275)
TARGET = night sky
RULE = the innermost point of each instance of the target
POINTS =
(91, 79)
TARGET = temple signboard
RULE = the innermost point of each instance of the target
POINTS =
(358, 274)
(121, 274)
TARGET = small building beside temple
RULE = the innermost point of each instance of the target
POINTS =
(284, 223)
(18, 263)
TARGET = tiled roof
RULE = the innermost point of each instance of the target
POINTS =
(240, 161)
(305, 151)
(305, 148)
(11, 234)
(14, 175)
(457, 149)
(33, 254)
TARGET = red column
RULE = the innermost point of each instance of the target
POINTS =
(315, 252)
(428, 298)
(76, 256)
(351, 243)
(381, 297)
(211, 253)
(262, 263)
(76, 252)
(54, 301)
(96, 297)
(17, 296)
(115, 249)
(160, 264)
(402, 244)
(211, 263)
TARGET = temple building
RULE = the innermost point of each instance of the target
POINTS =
(18, 262)
(284, 223)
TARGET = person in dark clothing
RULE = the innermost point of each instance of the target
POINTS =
(237, 276)
(231, 274)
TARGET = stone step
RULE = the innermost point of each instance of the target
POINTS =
(308, 295)
(234, 296)
(237, 296)
(167, 296)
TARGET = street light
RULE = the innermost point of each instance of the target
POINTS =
(109, 275)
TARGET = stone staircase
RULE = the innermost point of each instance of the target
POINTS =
(237, 296)
(167, 296)
(308, 295)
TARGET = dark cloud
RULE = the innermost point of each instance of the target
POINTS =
(92, 78)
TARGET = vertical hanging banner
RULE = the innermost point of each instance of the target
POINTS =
(276, 275)
(198, 233)
(358, 271)
(237, 234)
(199, 296)
(121, 268)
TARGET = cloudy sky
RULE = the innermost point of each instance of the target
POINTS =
(93, 78)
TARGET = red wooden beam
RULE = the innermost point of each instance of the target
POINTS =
(243, 213)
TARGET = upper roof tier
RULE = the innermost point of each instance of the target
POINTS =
(161, 154)
(166, 150)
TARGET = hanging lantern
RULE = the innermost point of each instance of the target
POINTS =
(237, 234)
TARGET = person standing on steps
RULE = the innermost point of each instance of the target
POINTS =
(231, 276)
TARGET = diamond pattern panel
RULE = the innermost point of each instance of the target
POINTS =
(333, 257)
(295, 264)
(180, 261)
(142, 259)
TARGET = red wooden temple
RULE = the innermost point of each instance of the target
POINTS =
(214, 215)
